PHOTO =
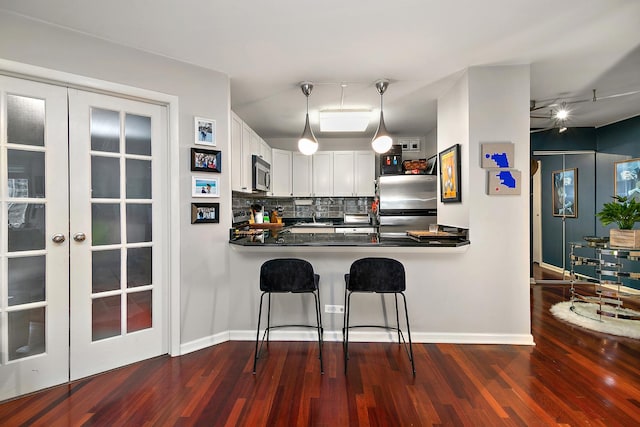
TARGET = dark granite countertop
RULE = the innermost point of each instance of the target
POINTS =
(272, 238)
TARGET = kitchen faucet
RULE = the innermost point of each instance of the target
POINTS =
(313, 216)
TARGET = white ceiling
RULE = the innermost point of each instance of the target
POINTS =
(421, 46)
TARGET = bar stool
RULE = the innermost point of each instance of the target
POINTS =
(377, 275)
(287, 275)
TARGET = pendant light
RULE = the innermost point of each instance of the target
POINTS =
(307, 144)
(382, 141)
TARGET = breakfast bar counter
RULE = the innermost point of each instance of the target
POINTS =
(366, 242)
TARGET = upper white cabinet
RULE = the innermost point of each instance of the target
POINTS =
(281, 173)
(343, 173)
(364, 173)
(301, 175)
(244, 143)
(323, 173)
(354, 173)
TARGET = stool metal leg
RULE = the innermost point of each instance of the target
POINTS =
(406, 313)
(395, 296)
(346, 332)
(268, 318)
(255, 358)
(319, 327)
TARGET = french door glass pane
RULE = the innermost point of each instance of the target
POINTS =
(105, 130)
(139, 311)
(105, 177)
(138, 267)
(25, 120)
(26, 332)
(138, 223)
(105, 319)
(25, 173)
(105, 269)
(137, 133)
(138, 179)
(26, 226)
(105, 223)
(26, 279)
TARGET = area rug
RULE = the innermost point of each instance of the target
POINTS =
(586, 316)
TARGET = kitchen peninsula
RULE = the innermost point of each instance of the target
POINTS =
(285, 238)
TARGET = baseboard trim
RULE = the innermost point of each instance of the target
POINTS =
(363, 336)
(205, 342)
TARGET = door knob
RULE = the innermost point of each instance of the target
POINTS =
(79, 237)
(58, 238)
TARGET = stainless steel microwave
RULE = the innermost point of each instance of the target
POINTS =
(261, 176)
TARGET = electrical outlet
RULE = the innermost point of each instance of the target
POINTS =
(333, 308)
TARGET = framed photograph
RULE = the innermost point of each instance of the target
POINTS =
(449, 161)
(204, 212)
(204, 187)
(205, 131)
(565, 193)
(627, 178)
(205, 160)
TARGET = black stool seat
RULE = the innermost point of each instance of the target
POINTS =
(378, 275)
(287, 275)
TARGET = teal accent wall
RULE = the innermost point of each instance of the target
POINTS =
(611, 143)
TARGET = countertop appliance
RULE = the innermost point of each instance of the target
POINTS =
(261, 174)
(391, 161)
(406, 202)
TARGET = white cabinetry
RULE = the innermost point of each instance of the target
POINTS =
(353, 173)
(301, 175)
(281, 173)
(244, 143)
(364, 173)
(323, 174)
(343, 173)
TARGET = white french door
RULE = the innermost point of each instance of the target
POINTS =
(83, 253)
(34, 253)
(117, 229)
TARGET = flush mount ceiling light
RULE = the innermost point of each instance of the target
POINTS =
(382, 141)
(344, 120)
(307, 144)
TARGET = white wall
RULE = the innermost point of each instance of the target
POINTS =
(481, 295)
(478, 295)
(204, 278)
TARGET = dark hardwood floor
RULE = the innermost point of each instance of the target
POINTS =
(571, 377)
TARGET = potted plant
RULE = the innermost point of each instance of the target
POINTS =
(625, 212)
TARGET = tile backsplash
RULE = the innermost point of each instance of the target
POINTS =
(305, 207)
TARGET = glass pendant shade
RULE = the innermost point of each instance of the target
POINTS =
(307, 144)
(381, 142)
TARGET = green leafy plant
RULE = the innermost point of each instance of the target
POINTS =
(624, 211)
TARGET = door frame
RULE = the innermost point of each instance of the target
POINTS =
(60, 78)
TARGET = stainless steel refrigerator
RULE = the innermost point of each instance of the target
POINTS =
(406, 202)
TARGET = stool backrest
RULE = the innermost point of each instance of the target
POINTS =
(287, 275)
(376, 275)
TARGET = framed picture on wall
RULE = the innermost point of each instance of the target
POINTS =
(627, 178)
(565, 193)
(205, 131)
(204, 187)
(205, 160)
(204, 212)
(449, 161)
